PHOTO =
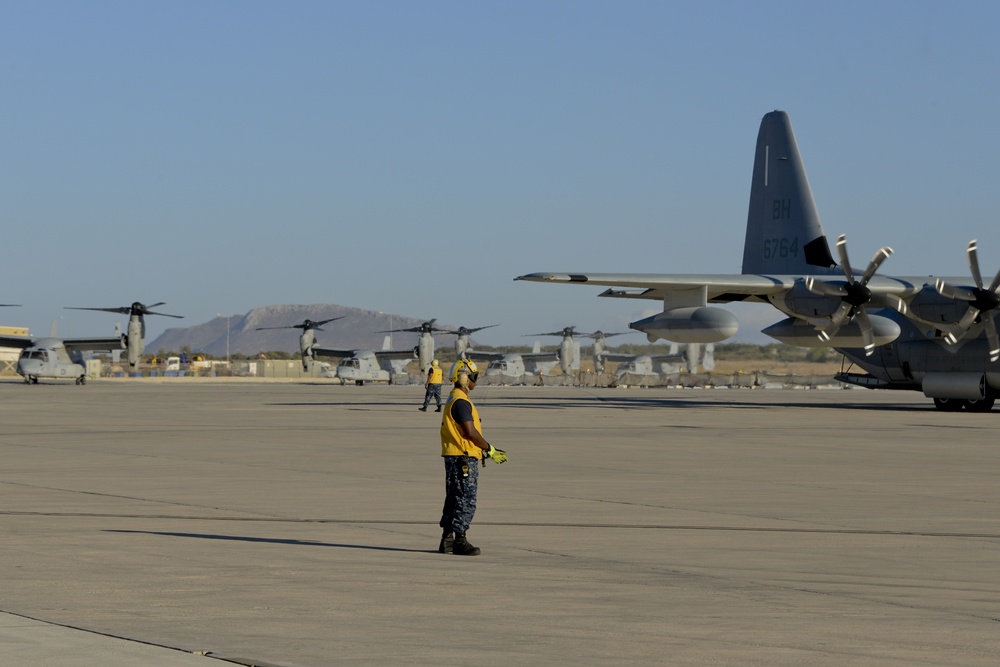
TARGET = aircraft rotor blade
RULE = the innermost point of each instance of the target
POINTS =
(845, 262)
(568, 331)
(824, 288)
(971, 251)
(841, 315)
(991, 338)
(952, 292)
(883, 254)
(135, 309)
(866, 331)
(124, 310)
(982, 301)
(488, 326)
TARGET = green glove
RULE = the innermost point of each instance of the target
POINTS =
(498, 455)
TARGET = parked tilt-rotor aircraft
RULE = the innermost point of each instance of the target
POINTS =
(425, 346)
(62, 358)
(308, 338)
(932, 335)
(367, 365)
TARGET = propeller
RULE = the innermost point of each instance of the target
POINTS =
(306, 325)
(136, 308)
(465, 331)
(427, 327)
(980, 299)
(567, 331)
(854, 295)
(600, 335)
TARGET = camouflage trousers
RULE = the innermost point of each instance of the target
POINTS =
(461, 478)
(435, 391)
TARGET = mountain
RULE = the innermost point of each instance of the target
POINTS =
(357, 330)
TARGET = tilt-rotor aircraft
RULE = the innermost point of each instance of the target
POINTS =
(62, 358)
(307, 340)
(424, 349)
(462, 343)
(359, 366)
(935, 335)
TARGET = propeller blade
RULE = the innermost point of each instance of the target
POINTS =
(963, 326)
(992, 339)
(822, 288)
(968, 319)
(149, 312)
(897, 304)
(974, 263)
(952, 292)
(883, 254)
(488, 326)
(996, 282)
(836, 321)
(120, 311)
(845, 263)
(866, 331)
(841, 315)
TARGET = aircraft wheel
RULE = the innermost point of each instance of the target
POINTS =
(982, 405)
(948, 404)
(359, 383)
(27, 380)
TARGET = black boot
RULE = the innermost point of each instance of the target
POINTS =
(447, 545)
(462, 546)
(439, 409)
(423, 409)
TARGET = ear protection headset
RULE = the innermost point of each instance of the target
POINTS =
(464, 371)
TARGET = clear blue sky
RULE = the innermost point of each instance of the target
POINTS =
(414, 157)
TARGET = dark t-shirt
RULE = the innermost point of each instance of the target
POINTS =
(461, 411)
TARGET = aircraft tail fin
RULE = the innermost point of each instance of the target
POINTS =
(784, 234)
(387, 343)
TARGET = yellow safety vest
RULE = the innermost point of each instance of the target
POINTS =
(453, 440)
(437, 376)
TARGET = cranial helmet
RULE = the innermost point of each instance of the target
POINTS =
(464, 369)
(434, 363)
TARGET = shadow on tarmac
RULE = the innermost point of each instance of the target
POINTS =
(273, 540)
(631, 403)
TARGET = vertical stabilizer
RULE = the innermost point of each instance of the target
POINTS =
(784, 233)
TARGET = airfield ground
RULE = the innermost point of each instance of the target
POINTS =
(147, 523)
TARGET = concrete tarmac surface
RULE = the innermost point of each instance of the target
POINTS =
(181, 522)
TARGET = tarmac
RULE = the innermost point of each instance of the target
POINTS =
(188, 523)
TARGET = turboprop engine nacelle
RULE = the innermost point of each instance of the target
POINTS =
(700, 324)
(800, 333)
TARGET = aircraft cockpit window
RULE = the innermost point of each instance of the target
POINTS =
(349, 363)
(40, 355)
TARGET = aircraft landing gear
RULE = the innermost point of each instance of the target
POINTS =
(82, 379)
(956, 404)
(982, 405)
(948, 404)
(359, 383)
